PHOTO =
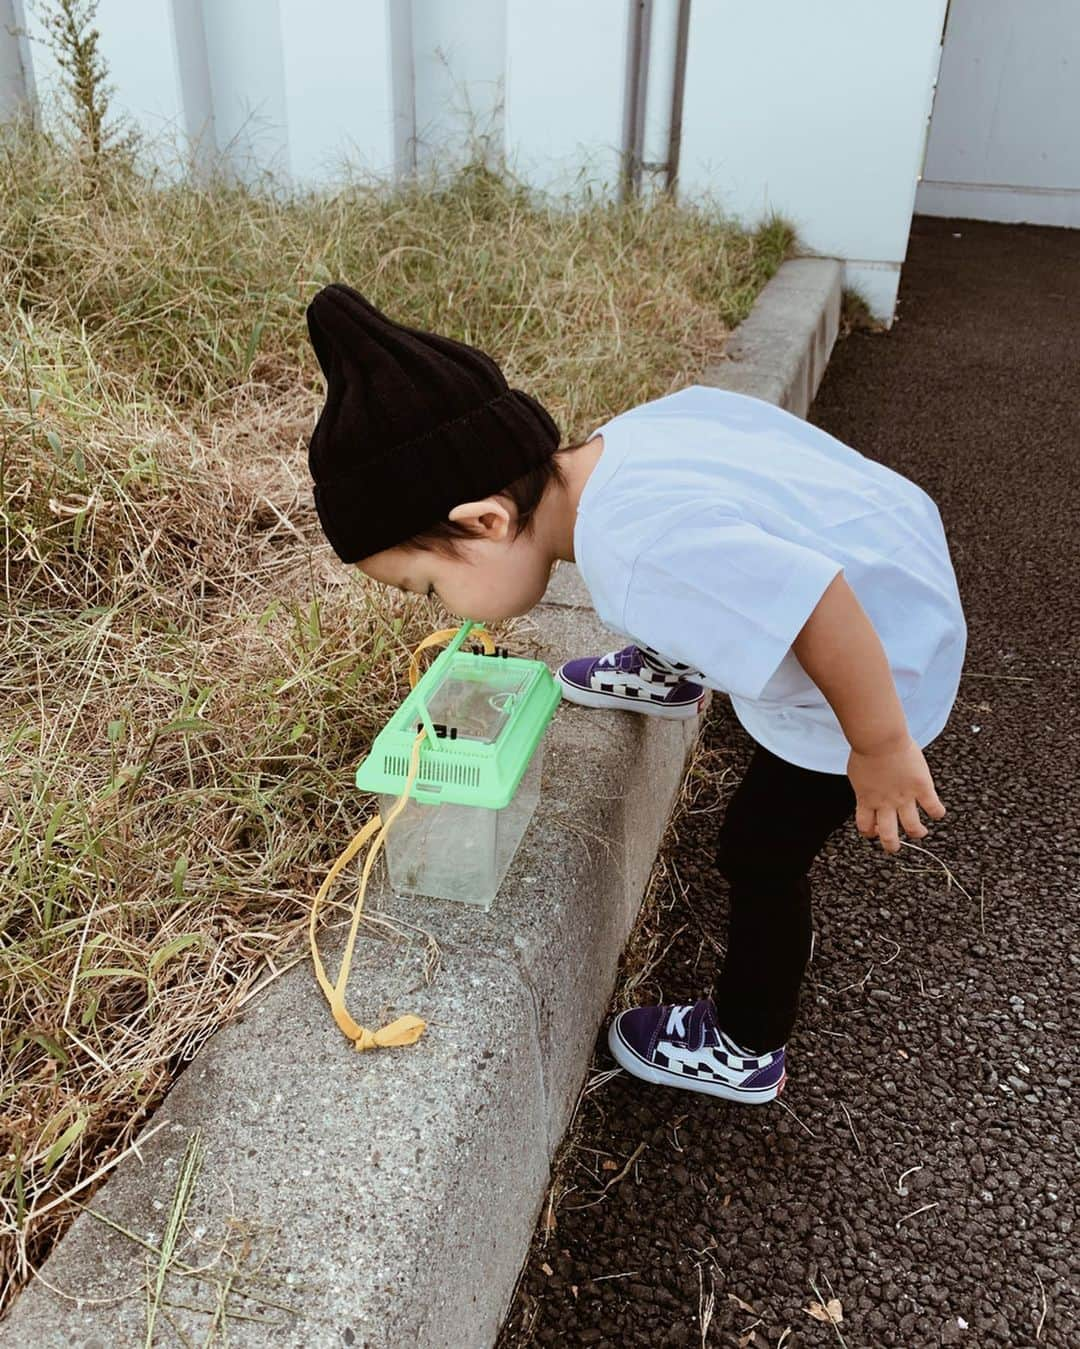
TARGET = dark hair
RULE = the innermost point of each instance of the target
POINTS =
(525, 492)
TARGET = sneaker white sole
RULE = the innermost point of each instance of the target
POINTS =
(587, 698)
(648, 1072)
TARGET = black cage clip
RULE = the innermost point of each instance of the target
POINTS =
(443, 732)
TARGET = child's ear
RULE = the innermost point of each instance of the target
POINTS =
(488, 519)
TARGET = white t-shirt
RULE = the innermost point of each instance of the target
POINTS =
(711, 526)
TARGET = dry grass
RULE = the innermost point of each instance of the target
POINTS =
(188, 677)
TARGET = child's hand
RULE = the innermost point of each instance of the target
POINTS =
(889, 784)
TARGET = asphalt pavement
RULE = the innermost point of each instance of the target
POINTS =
(922, 1166)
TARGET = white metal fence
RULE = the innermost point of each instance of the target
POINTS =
(814, 108)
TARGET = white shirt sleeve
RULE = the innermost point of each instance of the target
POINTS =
(726, 597)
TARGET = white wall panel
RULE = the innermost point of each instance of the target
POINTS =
(338, 93)
(565, 80)
(459, 49)
(1005, 138)
(137, 43)
(16, 71)
(818, 111)
(247, 83)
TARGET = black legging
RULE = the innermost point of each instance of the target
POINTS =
(776, 823)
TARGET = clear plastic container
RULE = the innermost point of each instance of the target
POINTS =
(475, 724)
(450, 851)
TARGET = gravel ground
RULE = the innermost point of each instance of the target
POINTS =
(922, 1167)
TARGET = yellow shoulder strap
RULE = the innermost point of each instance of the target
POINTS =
(406, 1030)
(440, 639)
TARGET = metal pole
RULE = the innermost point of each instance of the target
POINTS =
(637, 72)
(675, 138)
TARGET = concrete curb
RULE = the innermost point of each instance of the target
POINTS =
(781, 351)
(400, 1189)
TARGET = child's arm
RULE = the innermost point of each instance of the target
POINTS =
(840, 651)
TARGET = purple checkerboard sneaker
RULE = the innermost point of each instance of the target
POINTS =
(682, 1046)
(634, 679)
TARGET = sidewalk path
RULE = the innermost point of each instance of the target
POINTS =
(929, 1181)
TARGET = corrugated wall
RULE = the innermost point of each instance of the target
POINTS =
(817, 110)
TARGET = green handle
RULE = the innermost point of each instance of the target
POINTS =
(444, 657)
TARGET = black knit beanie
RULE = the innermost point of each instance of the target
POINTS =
(414, 424)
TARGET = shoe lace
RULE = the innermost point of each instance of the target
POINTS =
(612, 658)
(630, 659)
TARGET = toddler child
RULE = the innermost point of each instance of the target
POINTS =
(738, 548)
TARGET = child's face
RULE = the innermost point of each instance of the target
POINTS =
(495, 576)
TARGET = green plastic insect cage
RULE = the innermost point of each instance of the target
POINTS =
(478, 780)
